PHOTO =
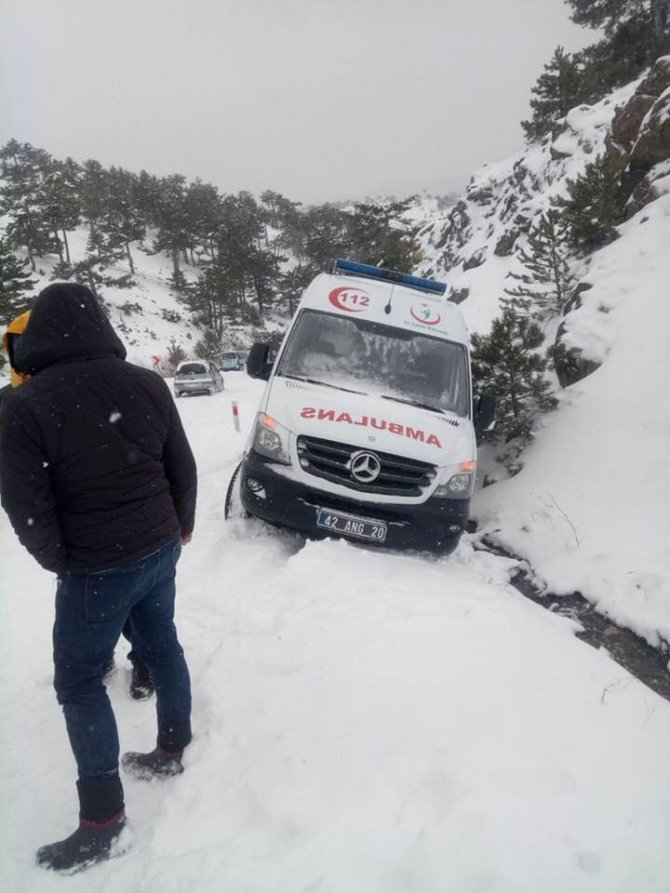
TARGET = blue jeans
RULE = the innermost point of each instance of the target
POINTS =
(91, 610)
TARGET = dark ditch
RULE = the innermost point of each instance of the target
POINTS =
(648, 664)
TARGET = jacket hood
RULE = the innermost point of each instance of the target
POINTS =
(66, 323)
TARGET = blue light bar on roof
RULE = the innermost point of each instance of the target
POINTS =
(370, 272)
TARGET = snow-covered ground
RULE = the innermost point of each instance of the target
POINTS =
(364, 722)
(591, 508)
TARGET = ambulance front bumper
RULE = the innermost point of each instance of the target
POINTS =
(435, 525)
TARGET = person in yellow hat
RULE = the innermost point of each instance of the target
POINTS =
(14, 331)
(141, 684)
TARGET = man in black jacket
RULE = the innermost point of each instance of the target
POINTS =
(99, 482)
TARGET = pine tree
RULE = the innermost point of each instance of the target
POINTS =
(15, 282)
(557, 90)
(327, 235)
(170, 218)
(93, 271)
(380, 234)
(22, 171)
(209, 347)
(545, 284)
(506, 363)
(595, 206)
(147, 198)
(123, 222)
(264, 271)
(203, 220)
(240, 250)
(93, 194)
(212, 298)
(291, 285)
(62, 207)
(610, 15)
(279, 210)
(636, 33)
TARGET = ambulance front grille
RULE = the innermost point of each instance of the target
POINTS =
(398, 476)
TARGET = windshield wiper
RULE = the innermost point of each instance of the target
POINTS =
(322, 383)
(413, 403)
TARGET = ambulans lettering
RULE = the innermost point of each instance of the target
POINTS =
(415, 435)
(311, 412)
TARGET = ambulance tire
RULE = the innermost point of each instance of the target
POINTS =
(233, 509)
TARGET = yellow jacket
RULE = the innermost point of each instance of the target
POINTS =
(16, 327)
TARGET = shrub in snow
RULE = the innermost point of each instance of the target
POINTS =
(507, 363)
(175, 354)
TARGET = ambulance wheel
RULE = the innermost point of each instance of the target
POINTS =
(233, 508)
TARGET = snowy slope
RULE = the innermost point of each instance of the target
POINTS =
(363, 722)
(590, 510)
(591, 507)
(144, 325)
(147, 315)
(500, 204)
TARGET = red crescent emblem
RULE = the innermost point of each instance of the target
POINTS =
(426, 322)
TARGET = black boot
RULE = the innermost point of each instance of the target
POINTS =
(101, 821)
(142, 683)
(157, 764)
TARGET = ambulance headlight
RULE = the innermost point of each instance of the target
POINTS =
(457, 481)
(271, 439)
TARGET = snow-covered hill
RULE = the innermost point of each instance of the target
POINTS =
(591, 508)
(147, 315)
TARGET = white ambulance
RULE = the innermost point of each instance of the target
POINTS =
(366, 427)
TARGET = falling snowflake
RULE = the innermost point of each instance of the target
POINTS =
(115, 416)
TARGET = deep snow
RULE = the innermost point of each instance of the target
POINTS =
(590, 509)
(364, 722)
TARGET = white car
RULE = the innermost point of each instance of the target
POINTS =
(366, 428)
(234, 361)
(197, 377)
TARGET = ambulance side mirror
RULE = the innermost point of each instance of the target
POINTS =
(484, 412)
(257, 361)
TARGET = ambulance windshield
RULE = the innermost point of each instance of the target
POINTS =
(379, 360)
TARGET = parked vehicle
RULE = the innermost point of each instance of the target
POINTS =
(234, 361)
(366, 428)
(197, 377)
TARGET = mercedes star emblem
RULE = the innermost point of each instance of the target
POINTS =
(365, 467)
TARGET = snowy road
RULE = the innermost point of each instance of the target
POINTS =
(365, 723)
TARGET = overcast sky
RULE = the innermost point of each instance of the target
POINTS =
(318, 99)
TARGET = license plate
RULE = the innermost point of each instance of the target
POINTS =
(350, 525)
